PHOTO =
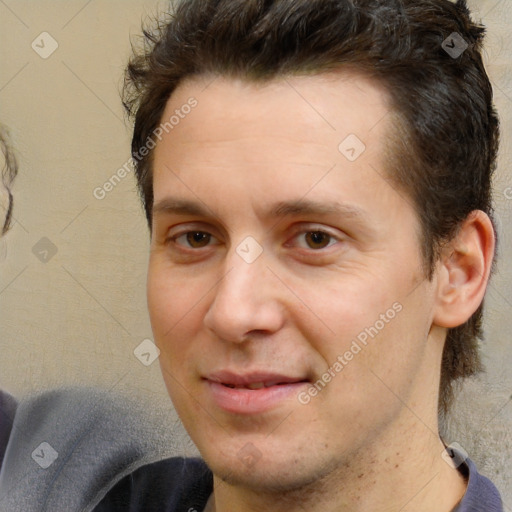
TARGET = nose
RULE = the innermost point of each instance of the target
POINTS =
(246, 301)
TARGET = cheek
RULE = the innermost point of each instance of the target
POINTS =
(341, 311)
(381, 340)
(171, 297)
(372, 325)
(175, 311)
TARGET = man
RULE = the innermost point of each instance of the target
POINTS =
(316, 178)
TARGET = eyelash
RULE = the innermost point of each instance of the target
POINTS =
(332, 239)
(187, 233)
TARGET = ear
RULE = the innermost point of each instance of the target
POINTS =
(463, 271)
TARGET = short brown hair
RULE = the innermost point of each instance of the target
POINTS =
(447, 153)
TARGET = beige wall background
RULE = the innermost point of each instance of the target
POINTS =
(72, 280)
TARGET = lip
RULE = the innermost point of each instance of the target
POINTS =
(278, 388)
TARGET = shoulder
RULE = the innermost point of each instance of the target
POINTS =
(481, 494)
(67, 445)
(174, 484)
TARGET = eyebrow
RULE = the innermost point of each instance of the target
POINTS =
(176, 206)
(292, 208)
(309, 207)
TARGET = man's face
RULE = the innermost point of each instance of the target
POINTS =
(273, 249)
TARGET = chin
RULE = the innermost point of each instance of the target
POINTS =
(270, 474)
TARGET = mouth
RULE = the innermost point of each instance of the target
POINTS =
(253, 392)
(258, 385)
(252, 380)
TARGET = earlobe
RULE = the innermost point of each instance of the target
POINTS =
(463, 271)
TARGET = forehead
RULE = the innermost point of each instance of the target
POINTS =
(245, 150)
(273, 141)
(292, 117)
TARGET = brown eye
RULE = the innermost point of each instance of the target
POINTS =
(317, 239)
(198, 239)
